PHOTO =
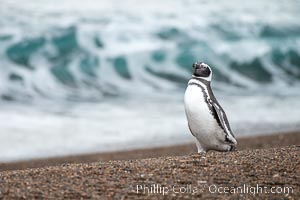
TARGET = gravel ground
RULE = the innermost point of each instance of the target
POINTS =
(205, 176)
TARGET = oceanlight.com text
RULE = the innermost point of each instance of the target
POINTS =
(245, 189)
(213, 189)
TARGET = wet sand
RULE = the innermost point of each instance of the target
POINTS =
(267, 165)
(257, 142)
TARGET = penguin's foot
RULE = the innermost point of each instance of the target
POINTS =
(201, 151)
(200, 148)
(197, 153)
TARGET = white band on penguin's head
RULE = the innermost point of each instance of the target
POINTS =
(205, 78)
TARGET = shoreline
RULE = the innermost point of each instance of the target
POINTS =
(247, 142)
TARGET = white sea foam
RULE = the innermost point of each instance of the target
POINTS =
(28, 132)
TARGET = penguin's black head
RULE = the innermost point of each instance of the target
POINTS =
(201, 70)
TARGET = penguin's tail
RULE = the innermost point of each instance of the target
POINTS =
(232, 142)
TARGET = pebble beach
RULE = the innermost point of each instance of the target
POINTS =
(264, 167)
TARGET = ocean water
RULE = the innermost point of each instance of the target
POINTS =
(110, 75)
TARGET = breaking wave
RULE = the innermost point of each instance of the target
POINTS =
(87, 54)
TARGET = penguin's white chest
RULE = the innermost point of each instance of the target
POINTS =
(201, 122)
(197, 111)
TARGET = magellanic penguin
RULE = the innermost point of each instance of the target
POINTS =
(207, 120)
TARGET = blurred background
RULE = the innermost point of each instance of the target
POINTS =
(93, 76)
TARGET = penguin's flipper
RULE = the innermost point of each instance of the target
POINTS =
(222, 118)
